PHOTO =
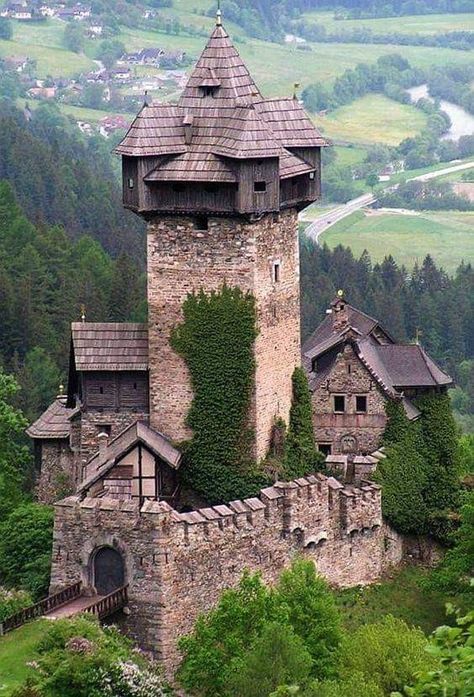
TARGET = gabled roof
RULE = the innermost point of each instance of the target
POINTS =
(109, 346)
(101, 463)
(54, 423)
(324, 337)
(193, 166)
(242, 134)
(157, 130)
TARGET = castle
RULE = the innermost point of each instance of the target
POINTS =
(219, 178)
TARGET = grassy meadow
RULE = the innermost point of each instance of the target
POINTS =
(447, 235)
(373, 119)
(410, 24)
(17, 648)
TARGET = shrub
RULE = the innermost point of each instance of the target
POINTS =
(312, 612)
(11, 601)
(301, 454)
(26, 540)
(228, 634)
(357, 685)
(453, 649)
(388, 653)
(277, 657)
(77, 658)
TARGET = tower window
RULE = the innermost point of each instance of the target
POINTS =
(131, 183)
(361, 404)
(260, 187)
(202, 222)
(276, 272)
(339, 404)
(208, 91)
(312, 175)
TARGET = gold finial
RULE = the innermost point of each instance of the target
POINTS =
(61, 390)
(340, 294)
(419, 333)
(296, 87)
(219, 14)
(83, 313)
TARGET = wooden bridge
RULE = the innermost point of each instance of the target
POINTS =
(68, 602)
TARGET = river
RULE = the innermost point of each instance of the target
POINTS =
(462, 122)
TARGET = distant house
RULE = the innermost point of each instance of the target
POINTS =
(146, 56)
(17, 63)
(121, 73)
(18, 11)
(110, 124)
(42, 92)
(95, 30)
(386, 174)
(47, 10)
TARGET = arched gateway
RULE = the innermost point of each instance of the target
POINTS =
(108, 570)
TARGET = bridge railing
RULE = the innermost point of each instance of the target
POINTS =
(109, 604)
(52, 602)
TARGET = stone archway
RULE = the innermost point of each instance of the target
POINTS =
(108, 570)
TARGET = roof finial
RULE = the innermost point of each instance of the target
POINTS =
(83, 313)
(61, 390)
(340, 294)
(419, 333)
(219, 14)
(296, 86)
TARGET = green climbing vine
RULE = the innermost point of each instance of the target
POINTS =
(300, 454)
(216, 340)
(420, 477)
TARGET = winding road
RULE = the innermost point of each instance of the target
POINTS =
(325, 221)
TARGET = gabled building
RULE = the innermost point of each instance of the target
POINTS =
(354, 366)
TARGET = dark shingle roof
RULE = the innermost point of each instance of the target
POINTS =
(54, 423)
(324, 337)
(110, 346)
(234, 123)
(403, 366)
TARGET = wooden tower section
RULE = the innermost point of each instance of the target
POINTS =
(220, 177)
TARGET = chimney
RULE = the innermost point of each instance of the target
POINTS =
(188, 128)
(103, 439)
(340, 315)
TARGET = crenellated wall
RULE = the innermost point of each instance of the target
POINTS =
(178, 563)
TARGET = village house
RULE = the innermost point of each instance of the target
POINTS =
(110, 124)
(354, 367)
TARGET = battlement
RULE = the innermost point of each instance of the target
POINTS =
(303, 509)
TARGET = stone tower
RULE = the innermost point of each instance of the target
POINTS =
(220, 177)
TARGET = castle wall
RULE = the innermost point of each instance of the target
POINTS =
(349, 432)
(177, 564)
(183, 259)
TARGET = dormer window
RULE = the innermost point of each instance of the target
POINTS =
(208, 91)
(131, 183)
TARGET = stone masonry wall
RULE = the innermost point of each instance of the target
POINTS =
(183, 259)
(177, 564)
(349, 377)
(57, 476)
(88, 426)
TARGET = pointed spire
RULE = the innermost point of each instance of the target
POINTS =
(219, 14)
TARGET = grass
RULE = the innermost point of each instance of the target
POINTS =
(349, 156)
(16, 649)
(373, 119)
(410, 24)
(447, 235)
(401, 595)
(43, 43)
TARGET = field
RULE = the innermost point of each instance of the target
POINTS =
(16, 650)
(373, 119)
(411, 24)
(447, 236)
(276, 67)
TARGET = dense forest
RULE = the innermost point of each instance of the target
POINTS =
(60, 177)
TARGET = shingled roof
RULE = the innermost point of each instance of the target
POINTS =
(395, 367)
(110, 346)
(233, 122)
(139, 432)
(54, 423)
